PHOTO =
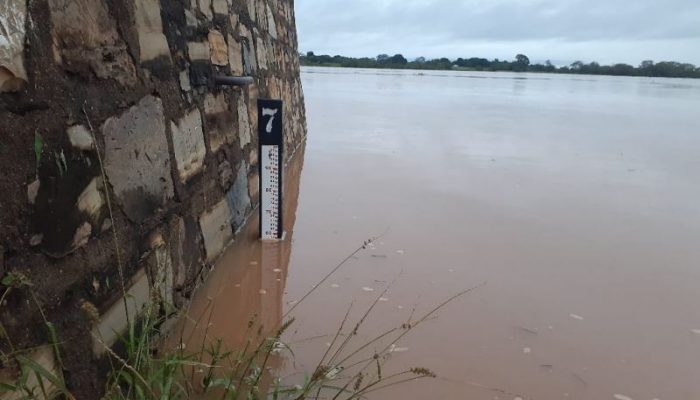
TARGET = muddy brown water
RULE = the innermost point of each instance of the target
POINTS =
(575, 199)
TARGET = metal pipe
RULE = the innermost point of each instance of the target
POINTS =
(233, 80)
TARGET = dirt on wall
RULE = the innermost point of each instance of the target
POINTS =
(107, 88)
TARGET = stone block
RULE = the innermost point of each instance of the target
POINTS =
(137, 160)
(233, 19)
(261, 51)
(243, 122)
(178, 233)
(216, 229)
(91, 200)
(218, 48)
(114, 321)
(235, 56)
(152, 41)
(271, 25)
(80, 137)
(185, 84)
(198, 51)
(13, 14)
(205, 8)
(238, 198)
(190, 19)
(86, 39)
(160, 266)
(253, 156)
(33, 191)
(81, 235)
(188, 145)
(219, 121)
(184, 249)
(43, 356)
(250, 62)
(251, 9)
(262, 16)
(225, 175)
(220, 7)
(254, 187)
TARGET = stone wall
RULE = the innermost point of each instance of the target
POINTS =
(121, 162)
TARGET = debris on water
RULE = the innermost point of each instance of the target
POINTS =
(379, 255)
(399, 252)
(450, 270)
(527, 350)
(695, 331)
(547, 367)
(527, 330)
(335, 286)
(277, 270)
(395, 349)
(263, 291)
(578, 378)
(279, 280)
(621, 397)
(367, 289)
(328, 344)
(576, 317)
(399, 307)
(253, 263)
(237, 285)
(383, 299)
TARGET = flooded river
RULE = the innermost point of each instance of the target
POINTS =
(575, 200)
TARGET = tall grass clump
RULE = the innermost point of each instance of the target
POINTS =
(350, 368)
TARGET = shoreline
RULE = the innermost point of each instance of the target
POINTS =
(459, 69)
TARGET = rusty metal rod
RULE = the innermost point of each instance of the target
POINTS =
(233, 80)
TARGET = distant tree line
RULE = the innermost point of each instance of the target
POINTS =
(521, 63)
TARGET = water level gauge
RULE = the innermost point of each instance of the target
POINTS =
(270, 141)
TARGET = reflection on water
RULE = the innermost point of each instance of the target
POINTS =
(245, 291)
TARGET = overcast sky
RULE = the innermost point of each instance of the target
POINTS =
(607, 31)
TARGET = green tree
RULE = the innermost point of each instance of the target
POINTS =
(577, 65)
(398, 59)
(521, 63)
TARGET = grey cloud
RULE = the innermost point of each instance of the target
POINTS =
(366, 27)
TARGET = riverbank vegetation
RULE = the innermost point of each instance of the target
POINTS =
(521, 63)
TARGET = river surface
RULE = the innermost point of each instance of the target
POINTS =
(572, 202)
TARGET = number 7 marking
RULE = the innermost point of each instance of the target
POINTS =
(269, 112)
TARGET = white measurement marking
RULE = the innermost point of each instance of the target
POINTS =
(269, 196)
(269, 112)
